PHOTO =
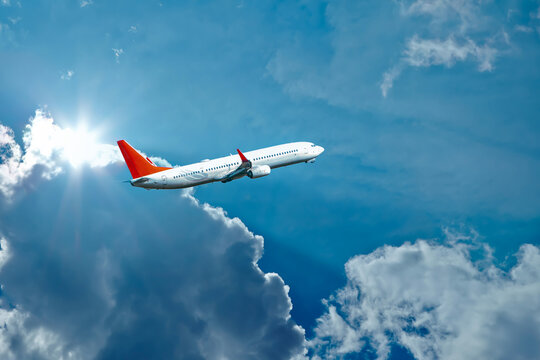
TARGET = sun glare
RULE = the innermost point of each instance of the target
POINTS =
(79, 145)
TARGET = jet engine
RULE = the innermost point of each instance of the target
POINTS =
(258, 171)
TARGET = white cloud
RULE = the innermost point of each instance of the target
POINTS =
(157, 160)
(421, 52)
(219, 214)
(67, 75)
(117, 53)
(466, 11)
(439, 301)
(335, 335)
(4, 252)
(429, 52)
(85, 3)
(47, 148)
(523, 28)
(5, 2)
(33, 343)
(132, 29)
(388, 78)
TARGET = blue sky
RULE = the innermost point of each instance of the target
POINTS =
(428, 111)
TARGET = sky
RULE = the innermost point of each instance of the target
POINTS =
(415, 235)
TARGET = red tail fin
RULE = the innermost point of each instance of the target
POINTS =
(137, 164)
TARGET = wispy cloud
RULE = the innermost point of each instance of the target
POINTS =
(358, 64)
(85, 3)
(67, 75)
(523, 28)
(15, 20)
(429, 52)
(388, 78)
(435, 301)
(424, 53)
(466, 12)
(7, 34)
(458, 45)
(117, 54)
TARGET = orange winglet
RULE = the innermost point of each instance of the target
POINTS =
(138, 166)
(244, 159)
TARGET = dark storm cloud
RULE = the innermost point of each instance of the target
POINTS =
(109, 280)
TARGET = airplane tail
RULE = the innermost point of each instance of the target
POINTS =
(138, 165)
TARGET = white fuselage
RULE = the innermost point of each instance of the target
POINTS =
(208, 171)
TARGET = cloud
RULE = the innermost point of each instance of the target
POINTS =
(428, 52)
(456, 19)
(117, 53)
(39, 343)
(439, 301)
(388, 78)
(425, 53)
(16, 340)
(14, 21)
(340, 65)
(67, 75)
(363, 51)
(523, 28)
(466, 12)
(157, 160)
(85, 3)
(47, 149)
(193, 291)
(132, 290)
(7, 35)
(420, 52)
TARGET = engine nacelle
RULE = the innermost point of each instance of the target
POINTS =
(258, 171)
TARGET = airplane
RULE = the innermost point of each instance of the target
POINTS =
(254, 164)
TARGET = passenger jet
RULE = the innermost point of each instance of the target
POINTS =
(254, 164)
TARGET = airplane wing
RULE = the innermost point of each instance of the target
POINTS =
(240, 171)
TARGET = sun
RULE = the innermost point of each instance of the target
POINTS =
(79, 145)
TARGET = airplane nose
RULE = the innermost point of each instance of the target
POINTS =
(321, 149)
